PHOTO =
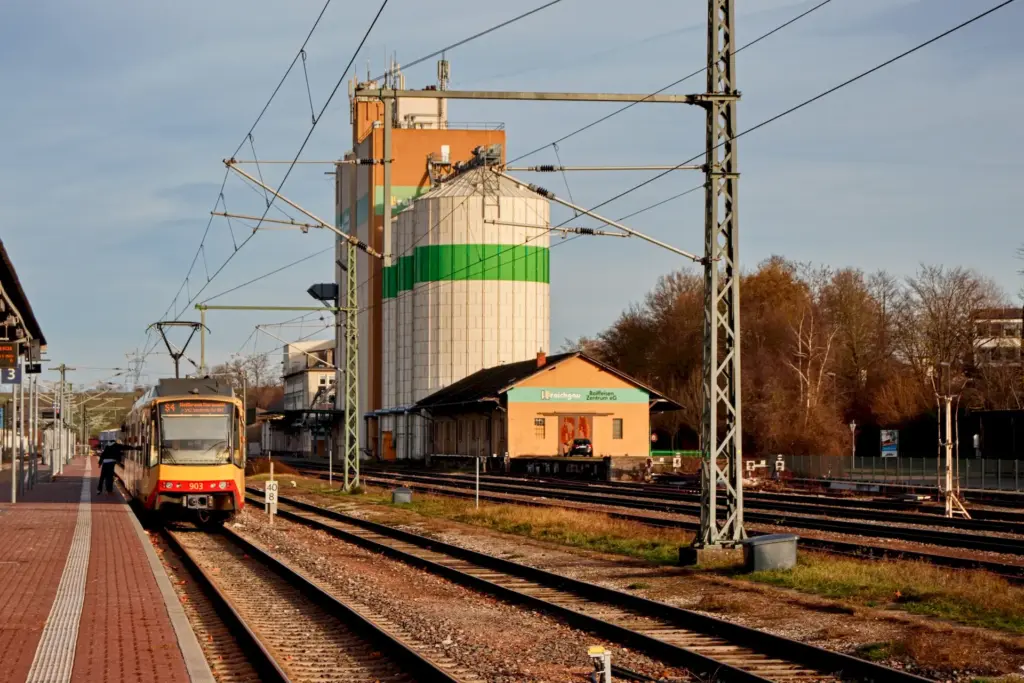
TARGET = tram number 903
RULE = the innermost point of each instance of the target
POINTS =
(195, 485)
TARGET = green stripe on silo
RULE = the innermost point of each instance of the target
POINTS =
(455, 262)
(403, 194)
(405, 273)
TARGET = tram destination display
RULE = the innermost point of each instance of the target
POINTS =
(195, 408)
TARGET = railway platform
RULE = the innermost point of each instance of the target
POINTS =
(83, 595)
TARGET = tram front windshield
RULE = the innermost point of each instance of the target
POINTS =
(197, 433)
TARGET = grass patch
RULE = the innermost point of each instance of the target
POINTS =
(638, 586)
(592, 531)
(879, 652)
(589, 530)
(969, 597)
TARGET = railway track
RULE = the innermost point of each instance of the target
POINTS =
(986, 520)
(992, 497)
(705, 645)
(999, 520)
(290, 629)
(937, 537)
(1011, 572)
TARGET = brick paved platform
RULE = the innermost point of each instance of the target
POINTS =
(83, 596)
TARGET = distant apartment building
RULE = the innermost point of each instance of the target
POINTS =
(298, 426)
(997, 336)
(308, 372)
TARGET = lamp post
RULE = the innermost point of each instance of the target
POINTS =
(328, 293)
(853, 446)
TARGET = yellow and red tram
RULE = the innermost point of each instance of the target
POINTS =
(185, 455)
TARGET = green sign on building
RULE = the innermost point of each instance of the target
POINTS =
(561, 395)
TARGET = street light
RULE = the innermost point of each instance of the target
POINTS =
(327, 293)
(853, 446)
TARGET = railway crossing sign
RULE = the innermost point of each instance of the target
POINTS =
(270, 497)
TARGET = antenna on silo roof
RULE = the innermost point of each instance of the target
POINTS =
(443, 72)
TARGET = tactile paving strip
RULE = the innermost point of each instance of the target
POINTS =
(55, 655)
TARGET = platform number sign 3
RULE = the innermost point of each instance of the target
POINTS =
(270, 496)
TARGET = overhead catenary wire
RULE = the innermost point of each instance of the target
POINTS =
(554, 144)
(302, 147)
(299, 55)
(269, 274)
(755, 41)
(247, 136)
(819, 96)
(305, 142)
(256, 329)
(475, 36)
(811, 100)
(791, 110)
(785, 113)
(545, 230)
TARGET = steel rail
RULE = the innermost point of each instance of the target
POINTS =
(1003, 498)
(259, 656)
(419, 666)
(924, 510)
(422, 668)
(1010, 572)
(969, 541)
(760, 642)
(851, 508)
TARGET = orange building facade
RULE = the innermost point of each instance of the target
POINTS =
(420, 132)
(538, 408)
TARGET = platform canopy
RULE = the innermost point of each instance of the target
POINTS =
(17, 321)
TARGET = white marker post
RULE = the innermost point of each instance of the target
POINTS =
(270, 495)
(478, 482)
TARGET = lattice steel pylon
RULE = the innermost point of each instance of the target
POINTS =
(722, 424)
(350, 456)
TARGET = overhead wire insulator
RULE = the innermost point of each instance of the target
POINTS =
(542, 191)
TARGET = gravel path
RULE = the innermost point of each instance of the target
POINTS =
(308, 642)
(228, 662)
(498, 642)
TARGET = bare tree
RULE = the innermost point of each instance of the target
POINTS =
(937, 324)
(584, 345)
(254, 373)
(811, 357)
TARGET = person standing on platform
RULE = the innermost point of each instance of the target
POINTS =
(108, 460)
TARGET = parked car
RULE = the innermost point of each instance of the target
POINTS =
(582, 447)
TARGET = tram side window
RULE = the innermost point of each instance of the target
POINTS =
(142, 438)
(152, 452)
(237, 447)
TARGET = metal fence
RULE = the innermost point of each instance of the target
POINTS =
(975, 473)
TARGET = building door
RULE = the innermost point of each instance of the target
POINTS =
(566, 433)
(571, 427)
(389, 446)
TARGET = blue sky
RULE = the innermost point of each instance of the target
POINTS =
(116, 116)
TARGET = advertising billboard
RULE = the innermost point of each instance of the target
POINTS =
(890, 443)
